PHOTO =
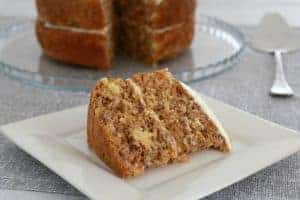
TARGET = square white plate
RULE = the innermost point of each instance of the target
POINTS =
(59, 141)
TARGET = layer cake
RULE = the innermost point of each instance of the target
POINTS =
(149, 120)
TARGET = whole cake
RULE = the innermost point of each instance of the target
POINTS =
(90, 32)
(149, 120)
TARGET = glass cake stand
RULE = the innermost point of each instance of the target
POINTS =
(217, 46)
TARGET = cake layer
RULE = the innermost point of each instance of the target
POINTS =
(156, 13)
(93, 48)
(90, 14)
(148, 121)
(123, 132)
(187, 119)
(154, 45)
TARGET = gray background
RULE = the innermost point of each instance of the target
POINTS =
(245, 86)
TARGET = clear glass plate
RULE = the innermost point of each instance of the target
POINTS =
(216, 47)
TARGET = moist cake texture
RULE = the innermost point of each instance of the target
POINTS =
(155, 30)
(154, 45)
(156, 14)
(149, 121)
(93, 49)
(91, 32)
(86, 14)
(77, 31)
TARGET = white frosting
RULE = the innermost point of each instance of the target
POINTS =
(165, 29)
(106, 29)
(156, 2)
(210, 114)
(157, 30)
(78, 30)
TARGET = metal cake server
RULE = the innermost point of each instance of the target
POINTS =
(275, 36)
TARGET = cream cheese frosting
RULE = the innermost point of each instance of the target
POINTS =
(102, 31)
(165, 29)
(210, 114)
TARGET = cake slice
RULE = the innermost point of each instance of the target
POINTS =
(155, 30)
(77, 31)
(126, 135)
(186, 116)
(149, 121)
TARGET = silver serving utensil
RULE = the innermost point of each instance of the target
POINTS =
(275, 36)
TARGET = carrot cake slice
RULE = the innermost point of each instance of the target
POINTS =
(149, 121)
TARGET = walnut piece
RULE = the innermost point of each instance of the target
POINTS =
(112, 87)
(98, 111)
(144, 137)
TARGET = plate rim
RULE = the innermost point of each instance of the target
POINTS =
(48, 82)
